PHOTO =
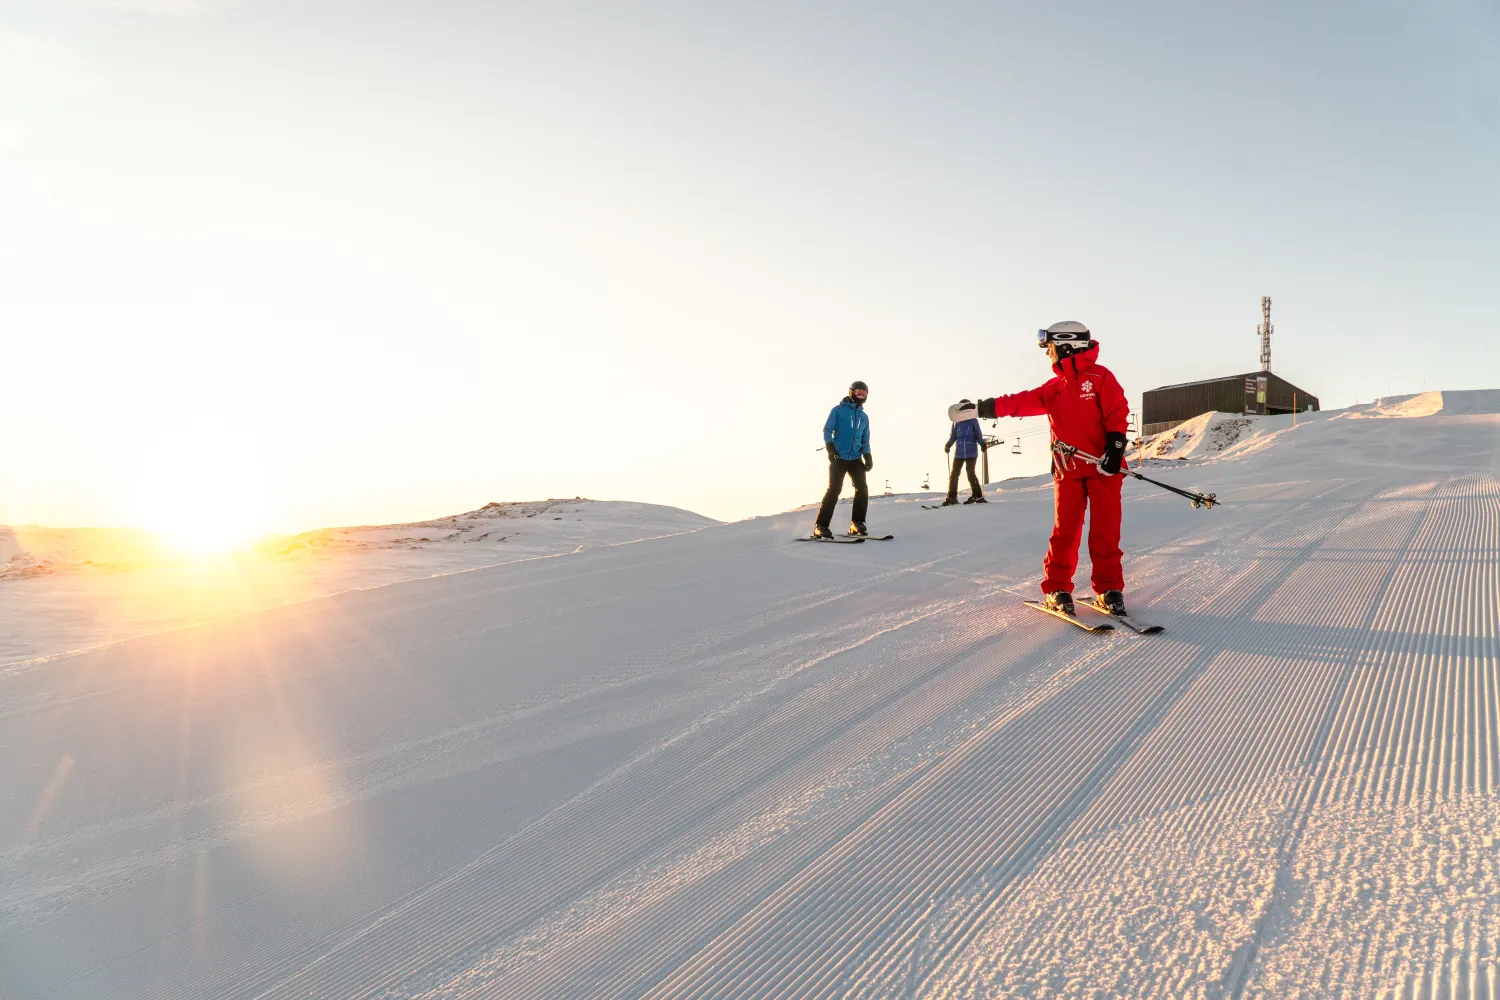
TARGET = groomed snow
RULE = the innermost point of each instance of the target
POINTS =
(720, 764)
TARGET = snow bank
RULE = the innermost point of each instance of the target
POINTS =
(1210, 435)
(1422, 404)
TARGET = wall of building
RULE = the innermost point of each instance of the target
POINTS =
(1252, 392)
(1163, 409)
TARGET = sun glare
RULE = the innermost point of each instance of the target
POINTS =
(202, 492)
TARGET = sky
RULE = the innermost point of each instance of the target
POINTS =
(327, 262)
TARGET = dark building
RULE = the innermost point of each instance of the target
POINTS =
(1254, 392)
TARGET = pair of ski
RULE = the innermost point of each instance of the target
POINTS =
(1125, 620)
(940, 506)
(847, 539)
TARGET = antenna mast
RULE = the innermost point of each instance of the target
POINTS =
(1265, 333)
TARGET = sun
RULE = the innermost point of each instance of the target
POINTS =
(202, 491)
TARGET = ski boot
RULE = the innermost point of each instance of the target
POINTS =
(950, 502)
(1110, 602)
(822, 531)
(1060, 600)
(858, 528)
(979, 499)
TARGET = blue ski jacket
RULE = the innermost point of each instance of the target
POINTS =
(966, 438)
(849, 430)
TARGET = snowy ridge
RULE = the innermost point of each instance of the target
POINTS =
(31, 550)
(1467, 402)
(68, 588)
(718, 764)
(523, 528)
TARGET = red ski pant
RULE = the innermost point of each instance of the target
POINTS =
(1100, 495)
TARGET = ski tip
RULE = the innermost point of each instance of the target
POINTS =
(1073, 619)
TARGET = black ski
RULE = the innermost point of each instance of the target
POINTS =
(939, 506)
(834, 540)
(1128, 621)
(1067, 617)
(874, 538)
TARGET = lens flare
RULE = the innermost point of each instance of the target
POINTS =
(202, 491)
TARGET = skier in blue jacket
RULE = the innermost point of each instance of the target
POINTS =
(846, 436)
(969, 438)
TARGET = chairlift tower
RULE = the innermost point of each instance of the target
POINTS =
(990, 441)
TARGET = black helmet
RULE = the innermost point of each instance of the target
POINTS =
(857, 384)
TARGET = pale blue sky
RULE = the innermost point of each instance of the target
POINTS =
(400, 259)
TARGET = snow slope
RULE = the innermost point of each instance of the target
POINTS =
(1210, 435)
(63, 589)
(720, 764)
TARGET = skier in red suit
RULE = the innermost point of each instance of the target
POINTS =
(1087, 409)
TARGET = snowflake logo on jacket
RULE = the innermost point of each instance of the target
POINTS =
(1087, 387)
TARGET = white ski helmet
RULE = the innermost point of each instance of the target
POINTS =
(1070, 332)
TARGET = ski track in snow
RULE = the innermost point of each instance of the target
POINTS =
(719, 765)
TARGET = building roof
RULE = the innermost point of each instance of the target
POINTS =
(1225, 378)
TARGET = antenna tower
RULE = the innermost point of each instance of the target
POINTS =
(1265, 333)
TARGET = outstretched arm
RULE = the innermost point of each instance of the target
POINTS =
(1031, 403)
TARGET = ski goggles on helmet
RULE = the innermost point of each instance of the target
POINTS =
(1070, 337)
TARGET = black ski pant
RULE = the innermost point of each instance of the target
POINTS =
(974, 488)
(837, 469)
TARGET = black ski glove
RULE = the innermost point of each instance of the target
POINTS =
(1114, 452)
(833, 453)
(947, 447)
(987, 409)
(869, 461)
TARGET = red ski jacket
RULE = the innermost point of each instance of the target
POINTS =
(1082, 403)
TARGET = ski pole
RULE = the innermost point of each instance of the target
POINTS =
(1199, 499)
